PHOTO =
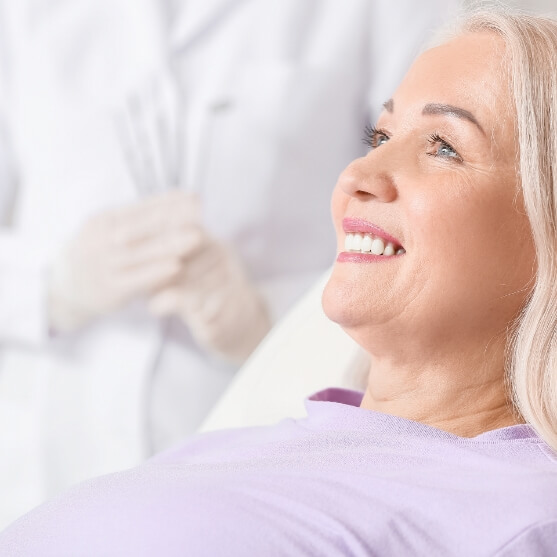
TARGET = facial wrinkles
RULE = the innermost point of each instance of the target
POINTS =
(459, 181)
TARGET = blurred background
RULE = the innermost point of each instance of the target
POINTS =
(165, 174)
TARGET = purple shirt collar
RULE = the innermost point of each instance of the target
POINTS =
(338, 408)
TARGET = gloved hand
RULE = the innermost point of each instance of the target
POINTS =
(119, 256)
(215, 298)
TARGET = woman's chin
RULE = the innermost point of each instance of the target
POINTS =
(340, 303)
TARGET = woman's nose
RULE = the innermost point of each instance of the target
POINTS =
(367, 178)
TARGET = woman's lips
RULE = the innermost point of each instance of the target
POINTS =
(355, 225)
(358, 257)
(367, 242)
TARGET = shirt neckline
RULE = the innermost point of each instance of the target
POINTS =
(337, 408)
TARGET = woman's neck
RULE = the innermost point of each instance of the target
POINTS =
(461, 396)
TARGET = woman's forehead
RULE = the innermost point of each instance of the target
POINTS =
(467, 73)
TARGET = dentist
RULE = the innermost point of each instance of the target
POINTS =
(149, 153)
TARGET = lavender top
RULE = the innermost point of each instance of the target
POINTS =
(343, 481)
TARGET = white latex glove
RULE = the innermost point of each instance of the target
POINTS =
(215, 298)
(119, 256)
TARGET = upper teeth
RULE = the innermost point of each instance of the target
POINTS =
(365, 243)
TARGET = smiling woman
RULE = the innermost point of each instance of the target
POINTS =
(446, 275)
(441, 177)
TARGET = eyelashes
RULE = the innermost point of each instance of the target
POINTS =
(444, 148)
(372, 136)
(438, 146)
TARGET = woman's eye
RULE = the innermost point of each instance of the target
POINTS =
(374, 137)
(442, 149)
(381, 139)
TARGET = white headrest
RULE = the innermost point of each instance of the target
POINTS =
(304, 353)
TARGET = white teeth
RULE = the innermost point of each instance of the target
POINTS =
(357, 242)
(377, 246)
(389, 249)
(364, 243)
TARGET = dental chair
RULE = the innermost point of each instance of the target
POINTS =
(304, 353)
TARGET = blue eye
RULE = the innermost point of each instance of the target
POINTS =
(443, 149)
(374, 137)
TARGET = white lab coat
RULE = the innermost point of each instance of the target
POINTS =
(277, 93)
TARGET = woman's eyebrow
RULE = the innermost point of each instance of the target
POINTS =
(436, 108)
(450, 110)
(389, 105)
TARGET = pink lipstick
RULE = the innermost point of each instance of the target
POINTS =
(355, 225)
(367, 242)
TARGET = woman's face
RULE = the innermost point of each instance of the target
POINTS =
(440, 184)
